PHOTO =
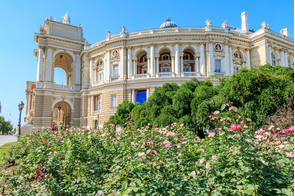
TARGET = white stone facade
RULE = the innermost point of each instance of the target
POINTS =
(101, 75)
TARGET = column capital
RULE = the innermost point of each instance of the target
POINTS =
(41, 47)
(177, 43)
(248, 49)
(122, 47)
(129, 47)
(269, 45)
(157, 57)
(281, 50)
(202, 43)
(50, 47)
(152, 44)
(226, 44)
(210, 42)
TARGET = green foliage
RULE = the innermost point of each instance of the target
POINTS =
(5, 125)
(171, 161)
(257, 92)
(120, 118)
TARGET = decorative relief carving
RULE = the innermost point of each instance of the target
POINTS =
(115, 53)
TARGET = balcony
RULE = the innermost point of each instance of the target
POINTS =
(140, 76)
(165, 74)
(190, 74)
(58, 86)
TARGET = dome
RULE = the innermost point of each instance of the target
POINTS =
(168, 24)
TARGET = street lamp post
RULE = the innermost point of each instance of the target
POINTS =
(20, 107)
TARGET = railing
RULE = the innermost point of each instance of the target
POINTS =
(185, 30)
(65, 87)
(136, 76)
(98, 83)
(189, 74)
(165, 74)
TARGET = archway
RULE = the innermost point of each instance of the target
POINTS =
(61, 114)
(165, 61)
(64, 61)
(142, 62)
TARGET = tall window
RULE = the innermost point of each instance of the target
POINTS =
(165, 57)
(114, 100)
(217, 65)
(116, 70)
(186, 56)
(273, 59)
(238, 55)
(289, 63)
(101, 63)
(236, 69)
(100, 76)
(141, 96)
(144, 58)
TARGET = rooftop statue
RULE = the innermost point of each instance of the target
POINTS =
(263, 24)
(224, 24)
(41, 29)
(67, 19)
(123, 29)
(208, 22)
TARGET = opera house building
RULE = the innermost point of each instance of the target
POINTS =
(131, 65)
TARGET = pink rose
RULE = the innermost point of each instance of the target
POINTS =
(178, 145)
(228, 156)
(193, 174)
(198, 172)
(238, 152)
(100, 192)
(242, 123)
(89, 162)
(289, 154)
(233, 127)
(291, 129)
(214, 157)
(279, 166)
(283, 138)
(141, 154)
(230, 150)
(207, 165)
(202, 160)
(168, 145)
(106, 122)
(239, 127)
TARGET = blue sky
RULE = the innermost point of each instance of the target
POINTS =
(21, 19)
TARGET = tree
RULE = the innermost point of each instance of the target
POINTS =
(120, 118)
(5, 125)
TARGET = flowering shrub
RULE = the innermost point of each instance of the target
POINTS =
(170, 161)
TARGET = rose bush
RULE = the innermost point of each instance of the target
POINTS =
(170, 161)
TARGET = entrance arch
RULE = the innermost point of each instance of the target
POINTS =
(64, 61)
(61, 114)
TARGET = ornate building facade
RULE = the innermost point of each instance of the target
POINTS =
(130, 65)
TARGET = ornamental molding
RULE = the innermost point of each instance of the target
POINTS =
(115, 53)
(218, 54)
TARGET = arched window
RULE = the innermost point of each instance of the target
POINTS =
(289, 63)
(165, 57)
(186, 56)
(273, 59)
(100, 62)
(238, 55)
(144, 58)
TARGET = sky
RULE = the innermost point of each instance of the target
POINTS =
(21, 19)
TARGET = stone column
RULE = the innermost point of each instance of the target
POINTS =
(202, 59)
(231, 64)
(91, 72)
(133, 96)
(94, 75)
(157, 59)
(122, 63)
(49, 65)
(148, 65)
(147, 93)
(152, 59)
(248, 58)
(108, 66)
(181, 64)
(269, 51)
(286, 58)
(172, 64)
(40, 64)
(78, 68)
(29, 102)
(211, 59)
(177, 59)
(196, 68)
(129, 64)
(92, 104)
(283, 58)
(100, 102)
(134, 68)
(226, 65)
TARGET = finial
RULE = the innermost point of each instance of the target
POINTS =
(168, 19)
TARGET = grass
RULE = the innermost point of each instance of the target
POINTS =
(4, 149)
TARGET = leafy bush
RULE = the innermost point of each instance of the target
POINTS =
(257, 92)
(153, 161)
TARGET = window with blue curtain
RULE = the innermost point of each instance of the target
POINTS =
(217, 65)
(141, 97)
